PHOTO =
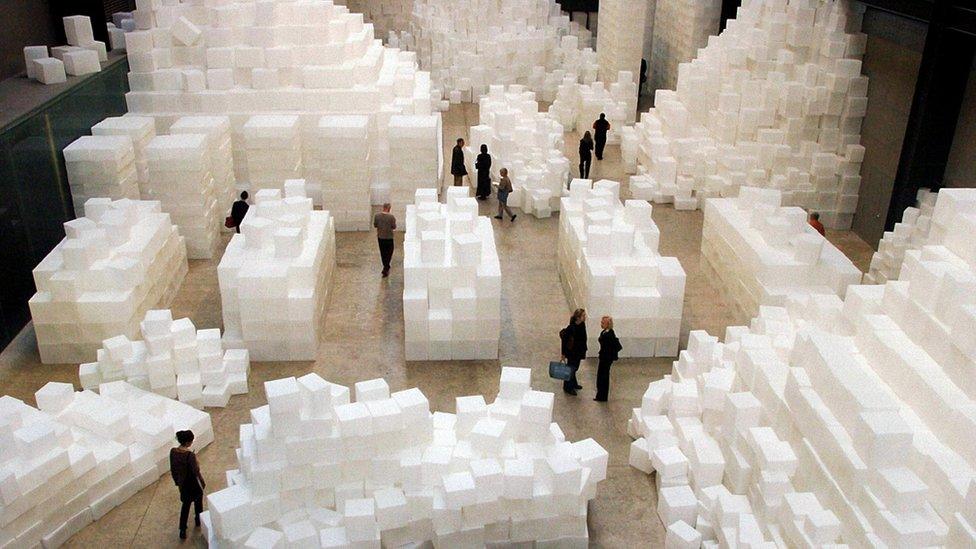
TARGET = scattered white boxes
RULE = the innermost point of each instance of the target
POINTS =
(774, 101)
(609, 264)
(577, 106)
(276, 275)
(120, 260)
(101, 166)
(760, 253)
(337, 169)
(620, 37)
(452, 280)
(910, 234)
(387, 471)
(681, 28)
(83, 454)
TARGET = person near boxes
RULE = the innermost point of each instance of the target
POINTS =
(586, 156)
(504, 189)
(814, 221)
(238, 210)
(574, 347)
(385, 224)
(600, 129)
(185, 469)
(483, 165)
(609, 352)
(457, 163)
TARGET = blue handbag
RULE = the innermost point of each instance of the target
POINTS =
(560, 370)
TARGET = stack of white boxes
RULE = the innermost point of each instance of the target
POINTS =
(271, 151)
(83, 454)
(220, 152)
(577, 106)
(120, 260)
(469, 45)
(387, 16)
(681, 27)
(336, 155)
(775, 101)
(140, 130)
(527, 142)
(121, 23)
(83, 54)
(101, 166)
(174, 359)
(42, 67)
(835, 420)
(384, 470)
(910, 234)
(609, 265)
(620, 37)
(451, 280)
(759, 252)
(415, 150)
(276, 275)
(179, 176)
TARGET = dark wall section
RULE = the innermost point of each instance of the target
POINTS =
(23, 23)
(961, 170)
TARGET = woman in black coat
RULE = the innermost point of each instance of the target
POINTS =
(483, 165)
(609, 352)
(586, 155)
(574, 347)
(185, 469)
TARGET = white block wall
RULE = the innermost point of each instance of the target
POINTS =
(220, 151)
(101, 166)
(577, 106)
(336, 156)
(681, 28)
(383, 467)
(910, 234)
(620, 37)
(452, 280)
(609, 265)
(415, 150)
(275, 277)
(120, 260)
(139, 129)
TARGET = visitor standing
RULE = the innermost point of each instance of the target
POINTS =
(814, 221)
(574, 348)
(585, 154)
(600, 129)
(385, 224)
(238, 210)
(457, 163)
(609, 352)
(643, 77)
(185, 469)
(483, 165)
(504, 189)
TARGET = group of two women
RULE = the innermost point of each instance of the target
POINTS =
(573, 351)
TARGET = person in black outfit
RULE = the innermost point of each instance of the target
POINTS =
(643, 77)
(600, 129)
(483, 165)
(238, 210)
(609, 352)
(457, 163)
(185, 469)
(574, 347)
(585, 147)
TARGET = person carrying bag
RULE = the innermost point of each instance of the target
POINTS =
(573, 348)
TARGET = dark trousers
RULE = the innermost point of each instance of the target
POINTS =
(571, 383)
(600, 144)
(185, 510)
(603, 379)
(386, 251)
(585, 167)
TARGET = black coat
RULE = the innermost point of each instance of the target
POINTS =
(609, 346)
(238, 211)
(600, 129)
(457, 161)
(574, 341)
(585, 148)
(483, 165)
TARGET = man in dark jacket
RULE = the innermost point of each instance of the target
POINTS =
(238, 210)
(574, 348)
(457, 162)
(600, 129)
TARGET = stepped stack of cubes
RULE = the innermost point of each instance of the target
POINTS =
(451, 280)
(140, 130)
(416, 152)
(759, 252)
(383, 470)
(271, 151)
(276, 275)
(219, 150)
(527, 142)
(173, 359)
(609, 264)
(120, 260)
(827, 420)
(468, 45)
(101, 166)
(81, 454)
(681, 27)
(910, 234)
(620, 37)
(337, 169)
(765, 106)
(386, 16)
(577, 106)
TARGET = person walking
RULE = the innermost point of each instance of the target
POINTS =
(385, 224)
(600, 129)
(609, 352)
(504, 189)
(185, 469)
(483, 165)
(585, 154)
(574, 348)
(457, 163)
(238, 210)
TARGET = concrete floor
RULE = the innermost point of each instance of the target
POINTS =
(363, 339)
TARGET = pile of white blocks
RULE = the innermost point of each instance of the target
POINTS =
(469, 45)
(120, 260)
(681, 27)
(384, 470)
(173, 359)
(415, 150)
(121, 23)
(83, 54)
(271, 146)
(910, 234)
(577, 106)
(275, 276)
(337, 169)
(775, 101)
(82, 454)
(620, 37)
(219, 151)
(101, 166)
(451, 280)
(527, 142)
(386, 16)
(759, 252)
(140, 130)
(609, 265)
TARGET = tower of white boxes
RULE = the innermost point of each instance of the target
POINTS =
(140, 130)
(418, 158)
(828, 420)
(765, 106)
(909, 234)
(609, 265)
(451, 280)
(220, 152)
(383, 469)
(760, 252)
(620, 37)
(681, 28)
(275, 277)
(101, 166)
(577, 106)
(337, 168)
(271, 151)
(527, 142)
(120, 260)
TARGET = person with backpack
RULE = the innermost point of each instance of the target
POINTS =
(574, 348)
(609, 352)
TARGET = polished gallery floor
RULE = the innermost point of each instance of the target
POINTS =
(363, 339)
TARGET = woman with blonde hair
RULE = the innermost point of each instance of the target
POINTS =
(609, 352)
(574, 347)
